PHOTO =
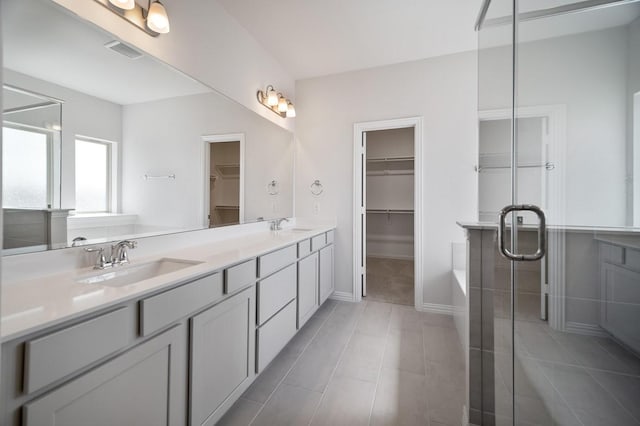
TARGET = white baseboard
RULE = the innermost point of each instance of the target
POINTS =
(437, 308)
(585, 329)
(342, 296)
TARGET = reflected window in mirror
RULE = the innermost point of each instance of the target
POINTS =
(95, 175)
(26, 168)
(31, 150)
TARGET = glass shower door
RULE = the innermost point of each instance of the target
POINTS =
(577, 70)
(561, 335)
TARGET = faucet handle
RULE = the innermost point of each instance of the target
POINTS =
(101, 261)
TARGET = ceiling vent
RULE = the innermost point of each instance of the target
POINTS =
(123, 49)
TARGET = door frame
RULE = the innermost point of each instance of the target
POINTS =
(358, 130)
(206, 162)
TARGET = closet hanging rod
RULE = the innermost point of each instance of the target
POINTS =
(389, 211)
(388, 159)
(148, 177)
(547, 165)
(389, 172)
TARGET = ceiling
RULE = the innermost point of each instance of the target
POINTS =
(42, 41)
(314, 38)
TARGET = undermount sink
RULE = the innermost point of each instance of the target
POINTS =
(120, 276)
(299, 229)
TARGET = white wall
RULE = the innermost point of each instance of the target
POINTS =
(176, 147)
(587, 73)
(441, 90)
(206, 43)
(82, 115)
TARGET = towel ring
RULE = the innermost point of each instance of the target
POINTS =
(316, 188)
(273, 187)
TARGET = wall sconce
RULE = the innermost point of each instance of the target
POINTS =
(276, 102)
(153, 20)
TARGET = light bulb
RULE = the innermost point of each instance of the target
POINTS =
(291, 111)
(123, 4)
(282, 105)
(272, 97)
(157, 19)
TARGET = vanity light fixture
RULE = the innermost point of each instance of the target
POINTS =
(153, 20)
(291, 111)
(276, 102)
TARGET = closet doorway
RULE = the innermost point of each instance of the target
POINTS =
(224, 180)
(387, 211)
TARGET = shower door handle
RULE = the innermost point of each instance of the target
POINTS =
(542, 233)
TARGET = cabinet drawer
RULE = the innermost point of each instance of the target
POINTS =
(273, 261)
(318, 242)
(632, 259)
(304, 248)
(239, 276)
(275, 334)
(275, 292)
(59, 354)
(612, 254)
(330, 236)
(161, 310)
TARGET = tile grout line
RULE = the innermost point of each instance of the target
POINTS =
(333, 372)
(284, 376)
(564, 400)
(616, 358)
(621, 405)
(577, 365)
(375, 392)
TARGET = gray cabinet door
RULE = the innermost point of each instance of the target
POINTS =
(222, 356)
(145, 386)
(326, 273)
(307, 288)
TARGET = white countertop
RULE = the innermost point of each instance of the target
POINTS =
(31, 305)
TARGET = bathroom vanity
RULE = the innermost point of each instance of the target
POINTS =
(178, 347)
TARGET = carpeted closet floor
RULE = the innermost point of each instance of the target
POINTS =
(390, 280)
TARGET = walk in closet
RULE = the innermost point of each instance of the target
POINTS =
(390, 221)
(224, 184)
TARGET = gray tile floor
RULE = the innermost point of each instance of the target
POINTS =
(565, 379)
(369, 363)
(390, 280)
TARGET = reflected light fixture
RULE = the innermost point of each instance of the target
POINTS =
(153, 20)
(123, 4)
(276, 102)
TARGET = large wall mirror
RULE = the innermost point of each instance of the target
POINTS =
(103, 142)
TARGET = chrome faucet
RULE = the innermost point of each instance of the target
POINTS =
(276, 224)
(119, 254)
(101, 261)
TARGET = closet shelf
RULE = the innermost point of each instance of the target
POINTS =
(390, 172)
(388, 159)
(228, 170)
